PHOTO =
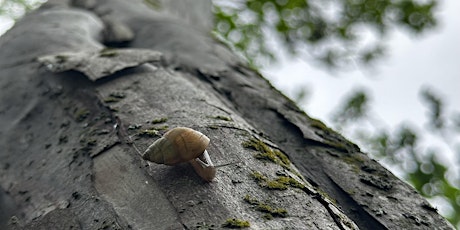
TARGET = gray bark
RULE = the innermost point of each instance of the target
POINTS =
(73, 112)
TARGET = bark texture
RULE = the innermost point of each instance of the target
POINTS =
(83, 84)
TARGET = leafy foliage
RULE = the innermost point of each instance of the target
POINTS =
(16, 8)
(353, 109)
(331, 31)
(405, 151)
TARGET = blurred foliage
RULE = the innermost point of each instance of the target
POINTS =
(16, 8)
(330, 31)
(436, 109)
(404, 149)
(353, 109)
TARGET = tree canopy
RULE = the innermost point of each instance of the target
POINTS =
(331, 31)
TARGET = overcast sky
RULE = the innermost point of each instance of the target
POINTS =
(432, 60)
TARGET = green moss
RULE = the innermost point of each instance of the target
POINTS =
(275, 185)
(159, 120)
(280, 183)
(111, 99)
(119, 95)
(213, 126)
(257, 145)
(290, 181)
(315, 123)
(337, 145)
(61, 58)
(282, 157)
(153, 131)
(154, 4)
(269, 211)
(161, 128)
(224, 118)
(81, 114)
(267, 153)
(331, 137)
(134, 126)
(114, 97)
(107, 52)
(267, 216)
(258, 176)
(354, 161)
(283, 182)
(236, 223)
(149, 133)
(326, 196)
(275, 212)
(250, 200)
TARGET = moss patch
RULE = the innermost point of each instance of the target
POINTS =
(258, 176)
(110, 99)
(275, 212)
(108, 52)
(283, 182)
(148, 133)
(161, 128)
(224, 118)
(81, 114)
(153, 131)
(276, 185)
(315, 123)
(269, 211)
(325, 196)
(236, 223)
(332, 138)
(134, 126)
(267, 153)
(213, 126)
(159, 120)
(61, 58)
(280, 183)
(114, 97)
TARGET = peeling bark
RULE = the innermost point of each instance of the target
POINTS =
(70, 137)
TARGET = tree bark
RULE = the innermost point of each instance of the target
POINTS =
(85, 84)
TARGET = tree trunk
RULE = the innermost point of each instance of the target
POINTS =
(85, 84)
